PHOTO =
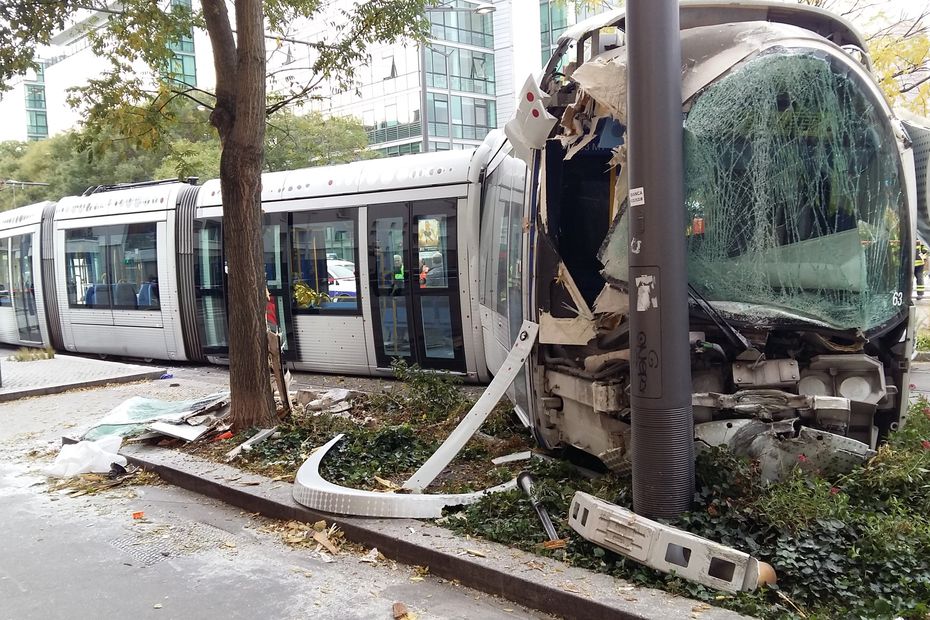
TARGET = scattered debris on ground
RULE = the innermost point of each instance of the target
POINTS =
(91, 484)
(143, 418)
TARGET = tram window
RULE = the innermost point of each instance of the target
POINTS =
(488, 208)
(433, 251)
(134, 266)
(5, 294)
(494, 236)
(209, 278)
(112, 267)
(323, 262)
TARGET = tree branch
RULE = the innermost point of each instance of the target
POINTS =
(224, 63)
(909, 87)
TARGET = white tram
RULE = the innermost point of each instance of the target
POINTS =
(366, 262)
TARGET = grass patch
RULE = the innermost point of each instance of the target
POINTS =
(922, 342)
(30, 354)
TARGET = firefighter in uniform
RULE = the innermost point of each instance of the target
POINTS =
(920, 259)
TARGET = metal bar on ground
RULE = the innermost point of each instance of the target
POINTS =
(479, 411)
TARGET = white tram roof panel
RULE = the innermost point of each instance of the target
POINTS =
(376, 175)
(116, 202)
(272, 187)
(22, 216)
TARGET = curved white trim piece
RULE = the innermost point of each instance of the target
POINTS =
(312, 491)
(479, 412)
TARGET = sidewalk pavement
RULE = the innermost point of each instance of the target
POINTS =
(62, 373)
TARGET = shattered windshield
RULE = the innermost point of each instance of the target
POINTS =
(794, 194)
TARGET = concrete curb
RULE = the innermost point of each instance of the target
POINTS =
(536, 582)
(65, 387)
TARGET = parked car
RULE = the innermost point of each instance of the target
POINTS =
(341, 279)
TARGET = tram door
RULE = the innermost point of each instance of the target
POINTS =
(210, 279)
(413, 270)
(23, 286)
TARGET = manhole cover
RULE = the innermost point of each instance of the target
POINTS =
(156, 543)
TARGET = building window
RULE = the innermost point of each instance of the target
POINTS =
(37, 117)
(462, 27)
(468, 118)
(35, 96)
(182, 69)
(37, 125)
(460, 69)
(400, 149)
(553, 21)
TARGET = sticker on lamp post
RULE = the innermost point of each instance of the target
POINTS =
(647, 344)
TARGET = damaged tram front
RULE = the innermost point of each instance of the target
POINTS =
(799, 188)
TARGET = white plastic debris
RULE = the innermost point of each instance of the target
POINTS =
(86, 457)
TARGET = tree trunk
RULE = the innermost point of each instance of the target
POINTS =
(240, 120)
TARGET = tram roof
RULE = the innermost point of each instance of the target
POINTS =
(373, 175)
(22, 216)
(162, 197)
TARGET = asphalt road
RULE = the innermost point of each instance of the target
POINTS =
(86, 557)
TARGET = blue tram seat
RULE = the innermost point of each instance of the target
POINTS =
(102, 295)
(342, 303)
(124, 295)
(89, 296)
(145, 294)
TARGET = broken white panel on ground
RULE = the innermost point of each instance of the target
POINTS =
(251, 442)
(312, 491)
(662, 547)
(179, 431)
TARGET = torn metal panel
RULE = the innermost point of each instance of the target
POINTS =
(564, 277)
(312, 491)
(612, 301)
(779, 447)
(179, 431)
(512, 458)
(531, 124)
(577, 331)
(604, 79)
(813, 450)
(248, 444)
(662, 547)
(769, 404)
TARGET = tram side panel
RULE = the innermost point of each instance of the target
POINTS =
(22, 308)
(115, 273)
